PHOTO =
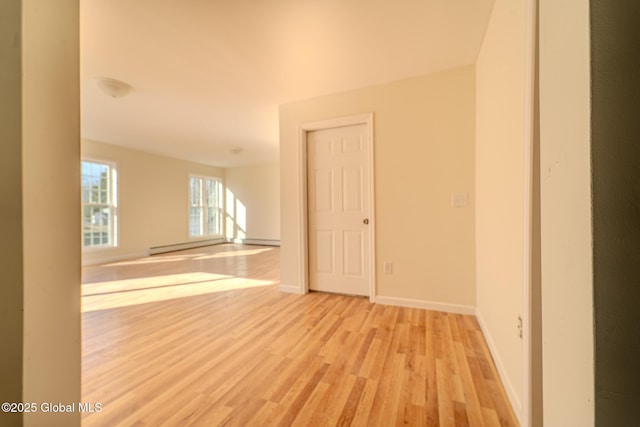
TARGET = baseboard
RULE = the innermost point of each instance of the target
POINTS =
(291, 289)
(515, 403)
(261, 242)
(426, 305)
(186, 245)
(114, 258)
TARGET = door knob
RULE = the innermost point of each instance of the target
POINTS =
(365, 221)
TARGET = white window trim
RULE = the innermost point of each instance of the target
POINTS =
(115, 183)
(220, 208)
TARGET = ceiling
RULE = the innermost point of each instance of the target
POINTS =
(207, 76)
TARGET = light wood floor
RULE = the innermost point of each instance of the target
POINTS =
(203, 337)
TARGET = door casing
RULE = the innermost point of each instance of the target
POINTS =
(367, 120)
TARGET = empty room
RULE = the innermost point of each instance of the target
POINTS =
(319, 130)
(296, 213)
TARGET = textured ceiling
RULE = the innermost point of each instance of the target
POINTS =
(207, 76)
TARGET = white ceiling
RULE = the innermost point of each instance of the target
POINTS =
(207, 76)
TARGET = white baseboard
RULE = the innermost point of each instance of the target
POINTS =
(291, 289)
(515, 403)
(113, 258)
(186, 245)
(426, 305)
(261, 242)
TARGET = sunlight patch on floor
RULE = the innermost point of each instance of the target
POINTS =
(129, 292)
(141, 283)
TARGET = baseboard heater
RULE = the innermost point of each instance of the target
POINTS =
(188, 245)
(259, 242)
(200, 243)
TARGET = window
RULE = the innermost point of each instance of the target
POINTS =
(205, 206)
(99, 204)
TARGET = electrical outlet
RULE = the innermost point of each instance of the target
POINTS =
(387, 267)
(459, 200)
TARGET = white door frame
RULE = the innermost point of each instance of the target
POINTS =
(303, 130)
(530, 74)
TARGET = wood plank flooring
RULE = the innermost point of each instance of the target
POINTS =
(204, 338)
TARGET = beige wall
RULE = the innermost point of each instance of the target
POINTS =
(424, 151)
(255, 190)
(11, 290)
(424, 146)
(51, 195)
(567, 280)
(153, 205)
(500, 88)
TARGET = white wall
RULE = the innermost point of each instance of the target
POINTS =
(254, 190)
(424, 151)
(153, 204)
(500, 133)
(51, 217)
(567, 280)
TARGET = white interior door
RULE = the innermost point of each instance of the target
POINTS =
(338, 210)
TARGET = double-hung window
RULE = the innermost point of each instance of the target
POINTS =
(205, 206)
(99, 204)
